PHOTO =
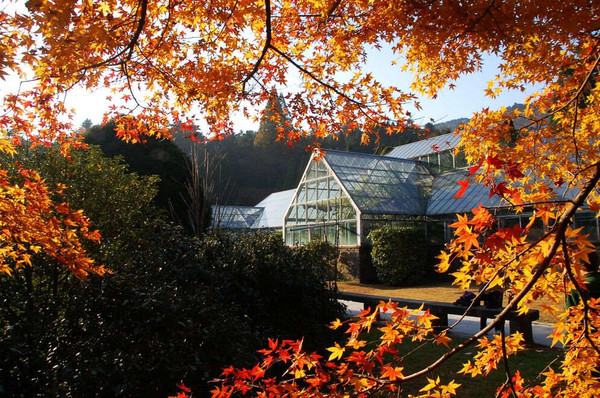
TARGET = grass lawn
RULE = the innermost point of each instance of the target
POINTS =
(530, 362)
(437, 291)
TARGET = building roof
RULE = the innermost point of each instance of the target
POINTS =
(376, 185)
(424, 147)
(235, 217)
(275, 206)
(381, 184)
(444, 188)
(268, 213)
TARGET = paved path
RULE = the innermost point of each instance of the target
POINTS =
(470, 325)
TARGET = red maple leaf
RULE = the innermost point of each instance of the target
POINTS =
(463, 187)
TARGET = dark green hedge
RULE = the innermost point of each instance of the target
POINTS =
(175, 308)
(400, 255)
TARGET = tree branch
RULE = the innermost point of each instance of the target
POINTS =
(583, 297)
(266, 46)
(559, 231)
(506, 368)
(132, 43)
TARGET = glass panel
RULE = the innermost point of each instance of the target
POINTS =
(303, 237)
(317, 234)
(333, 188)
(537, 229)
(436, 232)
(311, 213)
(460, 160)
(446, 160)
(322, 214)
(321, 169)
(290, 218)
(311, 192)
(334, 208)
(301, 213)
(375, 183)
(312, 171)
(348, 235)
(331, 232)
(506, 222)
(322, 186)
(347, 210)
(289, 237)
(302, 193)
(434, 162)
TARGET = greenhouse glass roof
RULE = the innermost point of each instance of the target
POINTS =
(275, 206)
(235, 217)
(380, 184)
(268, 213)
(445, 186)
(424, 147)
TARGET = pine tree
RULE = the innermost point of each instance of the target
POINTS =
(275, 122)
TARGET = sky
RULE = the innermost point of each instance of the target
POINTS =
(461, 102)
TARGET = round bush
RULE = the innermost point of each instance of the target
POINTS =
(400, 255)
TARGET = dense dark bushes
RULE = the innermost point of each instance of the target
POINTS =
(174, 308)
(400, 255)
(284, 290)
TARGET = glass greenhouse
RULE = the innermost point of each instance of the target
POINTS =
(345, 195)
(437, 152)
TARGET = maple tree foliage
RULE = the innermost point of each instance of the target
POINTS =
(165, 59)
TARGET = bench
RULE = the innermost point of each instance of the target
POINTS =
(517, 322)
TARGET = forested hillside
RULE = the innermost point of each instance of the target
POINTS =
(249, 166)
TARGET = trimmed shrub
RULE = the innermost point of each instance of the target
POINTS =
(400, 255)
(325, 255)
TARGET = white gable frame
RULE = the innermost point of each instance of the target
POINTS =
(343, 189)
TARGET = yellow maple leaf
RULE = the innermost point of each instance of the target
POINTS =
(336, 352)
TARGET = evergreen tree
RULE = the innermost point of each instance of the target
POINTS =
(274, 122)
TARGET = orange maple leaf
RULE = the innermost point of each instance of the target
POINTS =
(463, 187)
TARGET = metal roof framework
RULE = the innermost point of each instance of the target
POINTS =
(425, 147)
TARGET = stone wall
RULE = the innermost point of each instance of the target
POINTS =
(355, 263)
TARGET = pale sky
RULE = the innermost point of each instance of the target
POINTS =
(463, 101)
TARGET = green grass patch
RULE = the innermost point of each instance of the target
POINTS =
(416, 356)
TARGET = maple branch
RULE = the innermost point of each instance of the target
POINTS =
(330, 87)
(506, 368)
(221, 29)
(128, 80)
(130, 46)
(163, 33)
(502, 268)
(168, 77)
(574, 130)
(266, 46)
(583, 297)
(138, 31)
(568, 103)
(331, 10)
(480, 18)
(316, 78)
(559, 230)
